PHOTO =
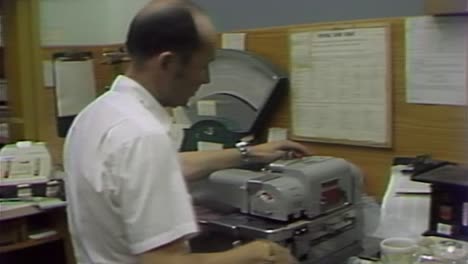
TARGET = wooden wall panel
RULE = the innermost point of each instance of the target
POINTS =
(417, 129)
(21, 58)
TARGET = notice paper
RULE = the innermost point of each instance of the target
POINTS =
(75, 86)
(233, 41)
(436, 60)
(339, 83)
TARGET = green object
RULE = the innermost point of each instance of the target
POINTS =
(209, 131)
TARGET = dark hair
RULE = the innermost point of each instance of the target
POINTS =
(169, 29)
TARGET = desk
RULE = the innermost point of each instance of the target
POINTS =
(18, 226)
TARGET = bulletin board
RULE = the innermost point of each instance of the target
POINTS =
(340, 83)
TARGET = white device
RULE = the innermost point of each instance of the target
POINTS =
(24, 162)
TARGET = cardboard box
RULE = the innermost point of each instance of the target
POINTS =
(446, 7)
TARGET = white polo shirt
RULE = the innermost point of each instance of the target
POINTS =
(124, 184)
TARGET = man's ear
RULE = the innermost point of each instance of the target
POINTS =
(167, 61)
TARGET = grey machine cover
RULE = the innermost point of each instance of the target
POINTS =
(243, 88)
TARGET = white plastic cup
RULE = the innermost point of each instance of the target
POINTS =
(398, 250)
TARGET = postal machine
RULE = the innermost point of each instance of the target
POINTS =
(310, 205)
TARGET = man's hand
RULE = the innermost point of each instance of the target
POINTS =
(265, 252)
(256, 252)
(280, 255)
(271, 151)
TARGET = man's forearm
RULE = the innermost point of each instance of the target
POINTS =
(198, 164)
(201, 163)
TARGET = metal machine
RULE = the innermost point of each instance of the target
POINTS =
(310, 205)
(243, 91)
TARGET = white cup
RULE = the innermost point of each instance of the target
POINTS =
(398, 250)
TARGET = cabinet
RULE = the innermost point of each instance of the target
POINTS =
(20, 241)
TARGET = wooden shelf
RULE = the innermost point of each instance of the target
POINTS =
(11, 120)
(30, 243)
(26, 210)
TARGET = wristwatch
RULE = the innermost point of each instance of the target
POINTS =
(243, 148)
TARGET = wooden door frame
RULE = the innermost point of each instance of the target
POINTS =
(23, 67)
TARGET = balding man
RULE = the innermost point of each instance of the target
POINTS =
(128, 201)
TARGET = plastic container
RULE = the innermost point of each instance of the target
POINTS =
(444, 252)
(450, 251)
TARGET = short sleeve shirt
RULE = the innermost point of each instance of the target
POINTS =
(124, 185)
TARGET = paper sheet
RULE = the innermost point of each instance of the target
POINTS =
(75, 86)
(207, 108)
(339, 84)
(277, 133)
(233, 41)
(179, 116)
(404, 215)
(404, 185)
(436, 60)
(203, 145)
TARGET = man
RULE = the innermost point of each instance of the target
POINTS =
(128, 201)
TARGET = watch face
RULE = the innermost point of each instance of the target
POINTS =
(241, 144)
(242, 147)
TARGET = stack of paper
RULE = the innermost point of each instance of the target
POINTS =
(405, 208)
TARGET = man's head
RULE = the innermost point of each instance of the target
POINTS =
(171, 44)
